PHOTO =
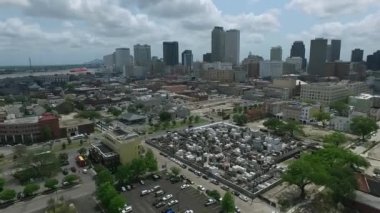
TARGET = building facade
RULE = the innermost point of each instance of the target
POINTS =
(187, 59)
(271, 69)
(276, 53)
(357, 55)
(217, 44)
(122, 59)
(298, 50)
(324, 93)
(170, 53)
(232, 46)
(142, 55)
(317, 59)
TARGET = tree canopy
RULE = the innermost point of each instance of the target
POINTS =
(89, 114)
(51, 183)
(332, 167)
(175, 170)
(116, 203)
(165, 116)
(341, 107)
(150, 161)
(335, 139)
(363, 126)
(228, 203)
(104, 176)
(7, 194)
(30, 189)
(2, 183)
(240, 119)
(321, 116)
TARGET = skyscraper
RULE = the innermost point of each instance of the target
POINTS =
(187, 59)
(170, 52)
(217, 44)
(142, 55)
(122, 59)
(298, 50)
(232, 46)
(318, 50)
(335, 49)
(373, 61)
(276, 53)
(328, 53)
(207, 57)
(357, 55)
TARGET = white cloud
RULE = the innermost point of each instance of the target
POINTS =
(363, 33)
(330, 8)
(14, 2)
(124, 23)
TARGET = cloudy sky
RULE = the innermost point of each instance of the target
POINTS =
(75, 31)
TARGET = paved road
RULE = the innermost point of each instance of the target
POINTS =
(40, 202)
(256, 205)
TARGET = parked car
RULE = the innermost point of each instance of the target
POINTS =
(191, 170)
(183, 166)
(214, 181)
(155, 188)
(243, 198)
(145, 192)
(236, 193)
(185, 186)
(156, 177)
(65, 171)
(205, 177)
(73, 169)
(188, 181)
(189, 211)
(237, 210)
(201, 188)
(160, 204)
(141, 182)
(166, 197)
(123, 189)
(226, 188)
(159, 193)
(210, 202)
(172, 202)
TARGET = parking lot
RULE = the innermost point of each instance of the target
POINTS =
(189, 198)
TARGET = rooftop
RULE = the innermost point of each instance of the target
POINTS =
(73, 122)
(25, 120)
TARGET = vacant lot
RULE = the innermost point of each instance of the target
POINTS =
(189, 198)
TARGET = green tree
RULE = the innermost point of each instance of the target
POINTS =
(240, 119)
(150, 161)
(363, 126)
(321, 116)
(82, 151)
(184, 120)
(51, 183)
(116, 203)
(341, 107)
(197, 119)
(124, 174)
(30, 189)
(132, 108)
(214, 194)
(63, 146)
(138, 167)
(228, 203)
(71, 178)
(292, 127)
(103, 177)
(114, 111)
(165, 116)
(274, 124)
(174, 122)
(165, 124)
(81, 142)
(19, 150)
(105, 192)
(191, 119)
(303, 172)
(2, 183)
(66, 107)
(7, 194)
(175, 171)
(335, 139)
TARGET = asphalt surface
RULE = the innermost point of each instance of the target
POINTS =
(189, 198)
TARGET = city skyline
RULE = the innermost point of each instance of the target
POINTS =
(63, 32)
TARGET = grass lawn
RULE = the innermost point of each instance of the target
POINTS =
(75, 144)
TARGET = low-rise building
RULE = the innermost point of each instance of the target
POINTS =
(324, 93)
(362, 102)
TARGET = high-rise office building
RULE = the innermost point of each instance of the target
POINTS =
(207, 57)
(335, 49)
(317, 59)
(357, 55)
(170, 52)
(298, 50)
(276, 53)
(142, 55)
(328, 53)
(373, 61)
(217, 44)
(187, 59)
(123, 59)
(232, 46)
